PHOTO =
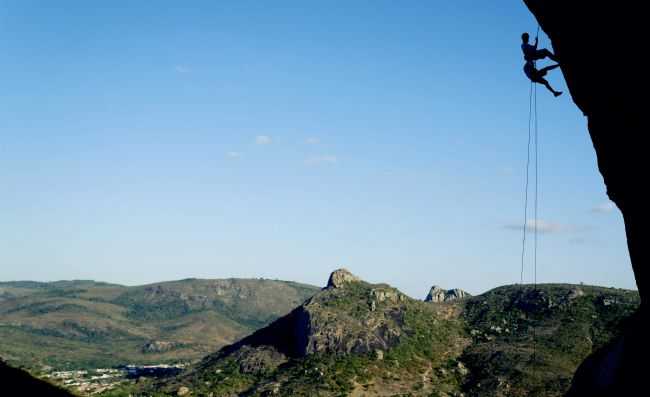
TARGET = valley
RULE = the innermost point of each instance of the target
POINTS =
(77, 325)
(266, 337)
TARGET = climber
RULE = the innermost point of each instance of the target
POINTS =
(531, 53)
(537, 76)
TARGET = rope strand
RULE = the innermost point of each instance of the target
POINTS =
(536, 220)
(534, 137)
(525, 225)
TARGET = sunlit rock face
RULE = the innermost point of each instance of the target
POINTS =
(437, 294)
(340, 277)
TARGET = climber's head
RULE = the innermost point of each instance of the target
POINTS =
(525, 37)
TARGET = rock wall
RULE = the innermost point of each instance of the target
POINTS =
(601, 48)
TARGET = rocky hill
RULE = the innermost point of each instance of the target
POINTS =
(75, 324)
(356, 338)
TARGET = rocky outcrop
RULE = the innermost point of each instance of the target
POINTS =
(340, 277)
(158, 346)
(339, 319)
(437, 294)
(597, 43)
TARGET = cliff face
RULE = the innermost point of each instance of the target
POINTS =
(600, 46)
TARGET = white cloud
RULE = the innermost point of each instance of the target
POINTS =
(542, 226)
(318, 160)
(312, 141)
(604, 208)
(263, 140)
(181, 69)
(233, 155)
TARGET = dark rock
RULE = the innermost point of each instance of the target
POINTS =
(600, 61)
(259, 360)
(597, 45)
(17, 382)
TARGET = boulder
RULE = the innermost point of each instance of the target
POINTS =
(437, 295)
(340, 277)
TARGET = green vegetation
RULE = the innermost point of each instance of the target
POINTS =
(535, 337)
(365, 339)
(86, 324)
(354, 338)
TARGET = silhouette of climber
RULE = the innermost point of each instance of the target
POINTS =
(537, 76)
(531, 53)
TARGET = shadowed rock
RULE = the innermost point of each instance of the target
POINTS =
(597, 43)
(16, 382)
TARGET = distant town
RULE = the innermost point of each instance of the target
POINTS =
(95, 381)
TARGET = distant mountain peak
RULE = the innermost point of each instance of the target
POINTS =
(438, 294)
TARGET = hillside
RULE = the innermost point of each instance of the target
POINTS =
(355, 338)
(76, 324)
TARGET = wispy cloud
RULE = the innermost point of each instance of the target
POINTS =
(263, 140)
(542, 226)
(604, 208)
(181, 69)
(318, 160)
(233, 155)
(312, 141)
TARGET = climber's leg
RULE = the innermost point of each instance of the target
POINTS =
(545, 53)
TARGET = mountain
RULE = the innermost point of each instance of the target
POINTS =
(76, 324)
(356, 338)
(16, 382)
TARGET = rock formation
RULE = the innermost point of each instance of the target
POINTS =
(437, 294)
(340, 277)
(158, 346)
(597, 43)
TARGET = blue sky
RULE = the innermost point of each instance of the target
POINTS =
(164, 140)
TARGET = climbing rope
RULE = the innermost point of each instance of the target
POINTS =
(525, 225)
(532, 104)
(534, 137)
(535, 221)
(536, 177)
